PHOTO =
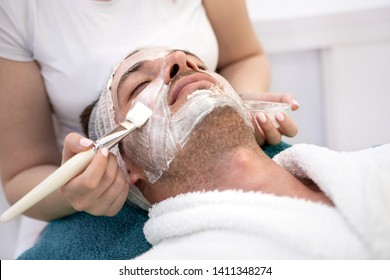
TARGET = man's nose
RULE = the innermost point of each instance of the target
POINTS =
(176, 63)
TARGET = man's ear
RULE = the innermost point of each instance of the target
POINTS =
(85, 116)
(136, 173)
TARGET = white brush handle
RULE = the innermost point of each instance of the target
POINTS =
(70, 169)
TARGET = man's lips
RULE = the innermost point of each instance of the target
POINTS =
(187, 84)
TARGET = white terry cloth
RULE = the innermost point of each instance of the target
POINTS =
(251, 225)
(358, 183)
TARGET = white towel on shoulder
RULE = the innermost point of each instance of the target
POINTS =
(252, 225)
(357, 182)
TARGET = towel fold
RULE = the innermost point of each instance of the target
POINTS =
(357, 182)
(263, 226)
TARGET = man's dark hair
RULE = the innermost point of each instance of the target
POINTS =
(85, 116)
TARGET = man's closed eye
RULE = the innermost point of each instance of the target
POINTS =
(140, 87)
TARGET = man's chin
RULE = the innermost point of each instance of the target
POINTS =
(217, 135)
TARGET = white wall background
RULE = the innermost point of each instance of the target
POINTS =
(283, 9)
(359, 110)
(299, 73)
(334, 57)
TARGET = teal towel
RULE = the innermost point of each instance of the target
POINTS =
(85, 237)
(82, 236)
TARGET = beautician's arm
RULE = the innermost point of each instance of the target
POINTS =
(243, 62)
(28, 148)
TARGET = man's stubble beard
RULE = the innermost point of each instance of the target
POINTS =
(199, 165)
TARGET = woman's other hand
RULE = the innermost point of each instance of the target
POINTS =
(265, 130)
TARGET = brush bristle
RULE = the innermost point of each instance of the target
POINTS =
(139, 114)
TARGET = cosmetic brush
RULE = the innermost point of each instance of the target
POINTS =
(135, 118)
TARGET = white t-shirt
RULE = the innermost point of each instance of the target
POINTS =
(76, 43)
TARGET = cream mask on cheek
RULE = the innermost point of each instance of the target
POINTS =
(156, 144)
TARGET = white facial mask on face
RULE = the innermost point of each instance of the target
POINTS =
(156, 144)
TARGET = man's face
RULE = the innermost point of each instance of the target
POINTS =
(179, 90)
(149, 73)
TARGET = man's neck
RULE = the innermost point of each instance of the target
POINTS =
(243, 169)
(253, 171)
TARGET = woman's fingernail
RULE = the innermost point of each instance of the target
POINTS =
(279, 116)
(261, 116)
(85, 142)
(104, 151)
(295, 102)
